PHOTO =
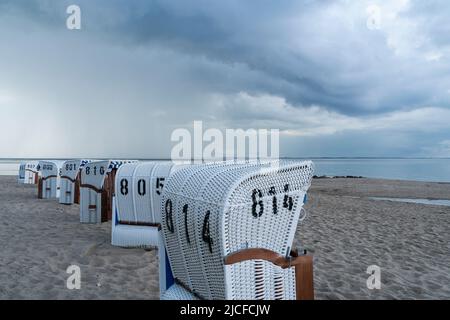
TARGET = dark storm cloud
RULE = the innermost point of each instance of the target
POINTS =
(311, 52)
(311, 68)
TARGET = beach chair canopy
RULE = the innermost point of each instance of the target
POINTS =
(97, 189)
(71, 168)
(30, 171)
(209, 212)
(93, 174)
(32, 166)
(50, 169)
(138, 191)
(49, 185)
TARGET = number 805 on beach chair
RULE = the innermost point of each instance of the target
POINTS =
(229, 230)
(137, 216)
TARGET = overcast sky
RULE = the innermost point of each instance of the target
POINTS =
(335, 78)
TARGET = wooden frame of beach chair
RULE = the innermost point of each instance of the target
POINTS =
(70, 181)
(230, 236)
(97, 190)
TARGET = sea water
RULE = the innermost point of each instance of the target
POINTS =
(436, 170)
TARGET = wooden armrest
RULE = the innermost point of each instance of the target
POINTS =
(267, 255)
(304, 279)
(143, 224)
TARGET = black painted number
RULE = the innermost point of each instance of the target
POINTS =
(206, 234)
(124, 187)
(159, 185)
(288, 201)
(141, 187)
(256, 203)
(169, 218)
(185, 211)
(274, 200)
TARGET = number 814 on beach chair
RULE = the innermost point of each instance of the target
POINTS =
(228, 232)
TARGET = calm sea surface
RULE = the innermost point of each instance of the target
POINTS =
(404, 169)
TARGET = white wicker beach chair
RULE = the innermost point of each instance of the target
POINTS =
(50, 179)
(97, 189)
(31, 172)
(228, 230)
(70, 181)
(21, 175)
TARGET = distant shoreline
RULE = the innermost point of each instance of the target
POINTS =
(281, 158)
(408, 169)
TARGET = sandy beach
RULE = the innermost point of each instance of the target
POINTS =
(346, 231)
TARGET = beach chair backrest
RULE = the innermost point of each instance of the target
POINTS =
(138, 192)
(94, 173)
(212, 211)
(70, 181)
(31, 172)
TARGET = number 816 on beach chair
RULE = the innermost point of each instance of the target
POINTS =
(228, 232)
(97, 189)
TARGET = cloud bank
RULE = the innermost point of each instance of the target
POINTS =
(333, 82)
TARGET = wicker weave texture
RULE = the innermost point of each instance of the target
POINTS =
(177, 292)
(210, 211)
(134, 236)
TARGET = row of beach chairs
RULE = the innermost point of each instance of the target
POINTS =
(223, 230)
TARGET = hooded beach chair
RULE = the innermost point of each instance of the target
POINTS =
(97, 189)
(228, 232)
(49, 182)
(30, 172)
